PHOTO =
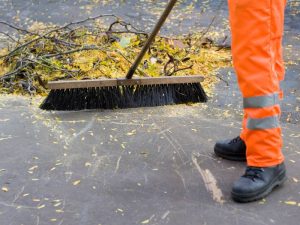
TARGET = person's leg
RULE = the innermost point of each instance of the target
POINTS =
(277, 25)
(277, 35)
(257, 28)
(254, 54)
(235, 149)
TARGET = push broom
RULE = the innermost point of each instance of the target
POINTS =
(126, 92)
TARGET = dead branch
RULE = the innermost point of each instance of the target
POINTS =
(16, 28)
(14, 72)
(127, 29)
(51, 49)
(180, 69)
(52, 31)
(85, 48)
(222, 79)
(174, 66)
(10, 37)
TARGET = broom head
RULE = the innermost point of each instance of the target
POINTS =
(123, 93)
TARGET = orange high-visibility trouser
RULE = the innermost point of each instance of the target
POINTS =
(257, 30)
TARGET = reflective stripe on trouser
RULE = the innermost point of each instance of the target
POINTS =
(257, 29)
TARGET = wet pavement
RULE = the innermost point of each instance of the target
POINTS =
(140, 166)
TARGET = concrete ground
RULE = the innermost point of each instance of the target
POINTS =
(135, 166)
(140, 166)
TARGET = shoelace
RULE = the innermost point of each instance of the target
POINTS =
(253, 173)
(235, 140)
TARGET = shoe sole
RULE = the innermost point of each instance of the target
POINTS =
(257, 196)
(229, 157)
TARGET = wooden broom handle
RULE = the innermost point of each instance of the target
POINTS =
(152, 36)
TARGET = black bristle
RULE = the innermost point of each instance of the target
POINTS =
(123, 97)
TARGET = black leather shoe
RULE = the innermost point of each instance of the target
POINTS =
(234, 149)
(257, 183)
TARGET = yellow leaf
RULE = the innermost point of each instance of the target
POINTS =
(145, 222)
(5, 189)
(76, 182)
(290, 202)
(263, 201)
(57, 204)
(41, 206)
(33, 168)
(133, 132)
(87, 164)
